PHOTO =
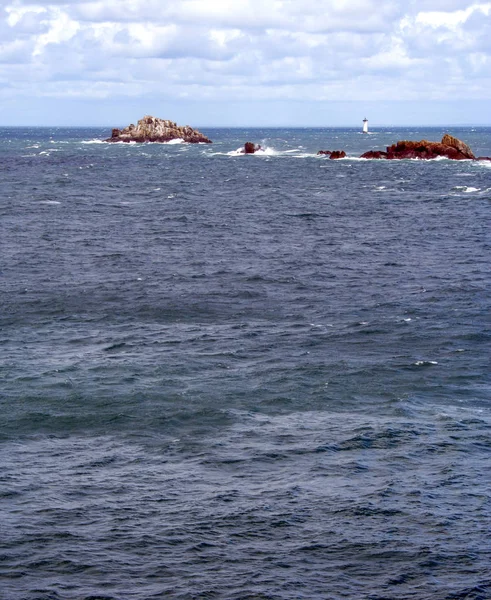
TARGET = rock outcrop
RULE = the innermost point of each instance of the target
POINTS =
(250, 148)
(374, 154)
(153, 129)
(449, 147)
(449, 140)
(333, 154)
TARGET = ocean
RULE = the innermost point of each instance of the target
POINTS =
(244, 377)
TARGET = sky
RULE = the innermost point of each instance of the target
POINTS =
(311, 63)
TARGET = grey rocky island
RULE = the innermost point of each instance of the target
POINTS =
(153, 129)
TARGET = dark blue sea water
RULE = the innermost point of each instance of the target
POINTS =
(244, 377)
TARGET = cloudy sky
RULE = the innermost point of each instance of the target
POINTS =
(245, 62)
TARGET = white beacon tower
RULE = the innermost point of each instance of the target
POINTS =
(365, 125)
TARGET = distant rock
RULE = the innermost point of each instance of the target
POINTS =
(250, 148)
(483, 158)
(153, 129)
(374, 154)
(333, 154)
(424, 150)
(337, 154)
(449, 147)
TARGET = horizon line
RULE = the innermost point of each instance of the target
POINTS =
(343, 126)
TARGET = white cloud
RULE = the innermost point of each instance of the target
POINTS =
(218, 49)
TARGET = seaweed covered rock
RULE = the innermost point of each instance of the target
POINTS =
(153, 129)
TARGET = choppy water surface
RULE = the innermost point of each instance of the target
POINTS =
(243, 377)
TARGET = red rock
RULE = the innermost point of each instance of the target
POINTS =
(449, 140)
(249, 148)
(423, 150)
(335, 154)
(449, 147)
(374, 154)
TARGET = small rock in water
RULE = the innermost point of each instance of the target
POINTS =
(250, 148)
(333, 154)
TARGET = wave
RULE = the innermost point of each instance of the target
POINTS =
(465, 189)
(269, 151)
(169, 143)
(416, 160)
(264, 151)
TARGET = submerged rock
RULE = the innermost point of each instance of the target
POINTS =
(333, 154)
(374, 154)
(449, 147)
(153, 129)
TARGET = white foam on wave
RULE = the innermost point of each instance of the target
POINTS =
(466, 189)
(265, 151)
(132, 142)
(484, 163)
(305, 155)
(49, 202)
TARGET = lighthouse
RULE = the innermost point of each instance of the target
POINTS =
(365, 125)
